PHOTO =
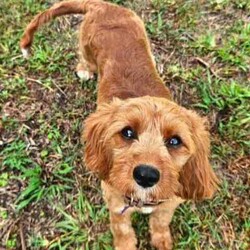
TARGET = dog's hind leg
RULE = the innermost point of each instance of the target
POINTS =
(86, 67)
(83, 72)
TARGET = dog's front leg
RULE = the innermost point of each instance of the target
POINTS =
(122, 230)
(120, 221)
(159, 229)
(159, 224)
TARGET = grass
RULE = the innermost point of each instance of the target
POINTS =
(47, 199)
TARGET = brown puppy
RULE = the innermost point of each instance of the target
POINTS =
(150, 153)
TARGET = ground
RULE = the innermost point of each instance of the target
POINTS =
(47, 198)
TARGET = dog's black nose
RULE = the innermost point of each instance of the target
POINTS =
(146, 176)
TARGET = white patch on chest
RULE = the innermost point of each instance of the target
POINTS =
(147, 210)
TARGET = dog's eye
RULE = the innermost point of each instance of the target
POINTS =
(173, 142)
(128, 133)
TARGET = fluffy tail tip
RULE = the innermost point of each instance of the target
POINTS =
(25, 52)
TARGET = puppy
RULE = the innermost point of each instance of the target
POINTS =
(150, 153)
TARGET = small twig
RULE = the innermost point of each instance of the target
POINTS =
(14, 58)
(202, 62)
(208, 66)
(61, 91)
(58, 238)
(171, 54)
(22, 237)
(189, 36)
(6, 231)
(163, 49)
(34, 80)
(39, 82)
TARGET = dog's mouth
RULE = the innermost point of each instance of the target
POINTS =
(130, 201)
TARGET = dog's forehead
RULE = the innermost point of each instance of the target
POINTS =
(149, 103)
(151, 112)
(148, 107)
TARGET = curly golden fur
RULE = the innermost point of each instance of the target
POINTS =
(113, 43)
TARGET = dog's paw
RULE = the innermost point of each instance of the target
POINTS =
(84, 75)
(162, 240)
(25, 53)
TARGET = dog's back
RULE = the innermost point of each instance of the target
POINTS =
(102, 16)
(114, 41)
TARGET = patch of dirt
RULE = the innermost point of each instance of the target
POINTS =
(240, 169)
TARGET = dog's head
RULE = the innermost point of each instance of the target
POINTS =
(150, 148)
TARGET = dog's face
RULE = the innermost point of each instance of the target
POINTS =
(150, 148)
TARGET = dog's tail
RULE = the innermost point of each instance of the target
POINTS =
(58, 9)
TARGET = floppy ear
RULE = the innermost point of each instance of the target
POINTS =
(97, 153)
(197, 177)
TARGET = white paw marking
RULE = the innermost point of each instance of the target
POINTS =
(25, 53)
(83, 75)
